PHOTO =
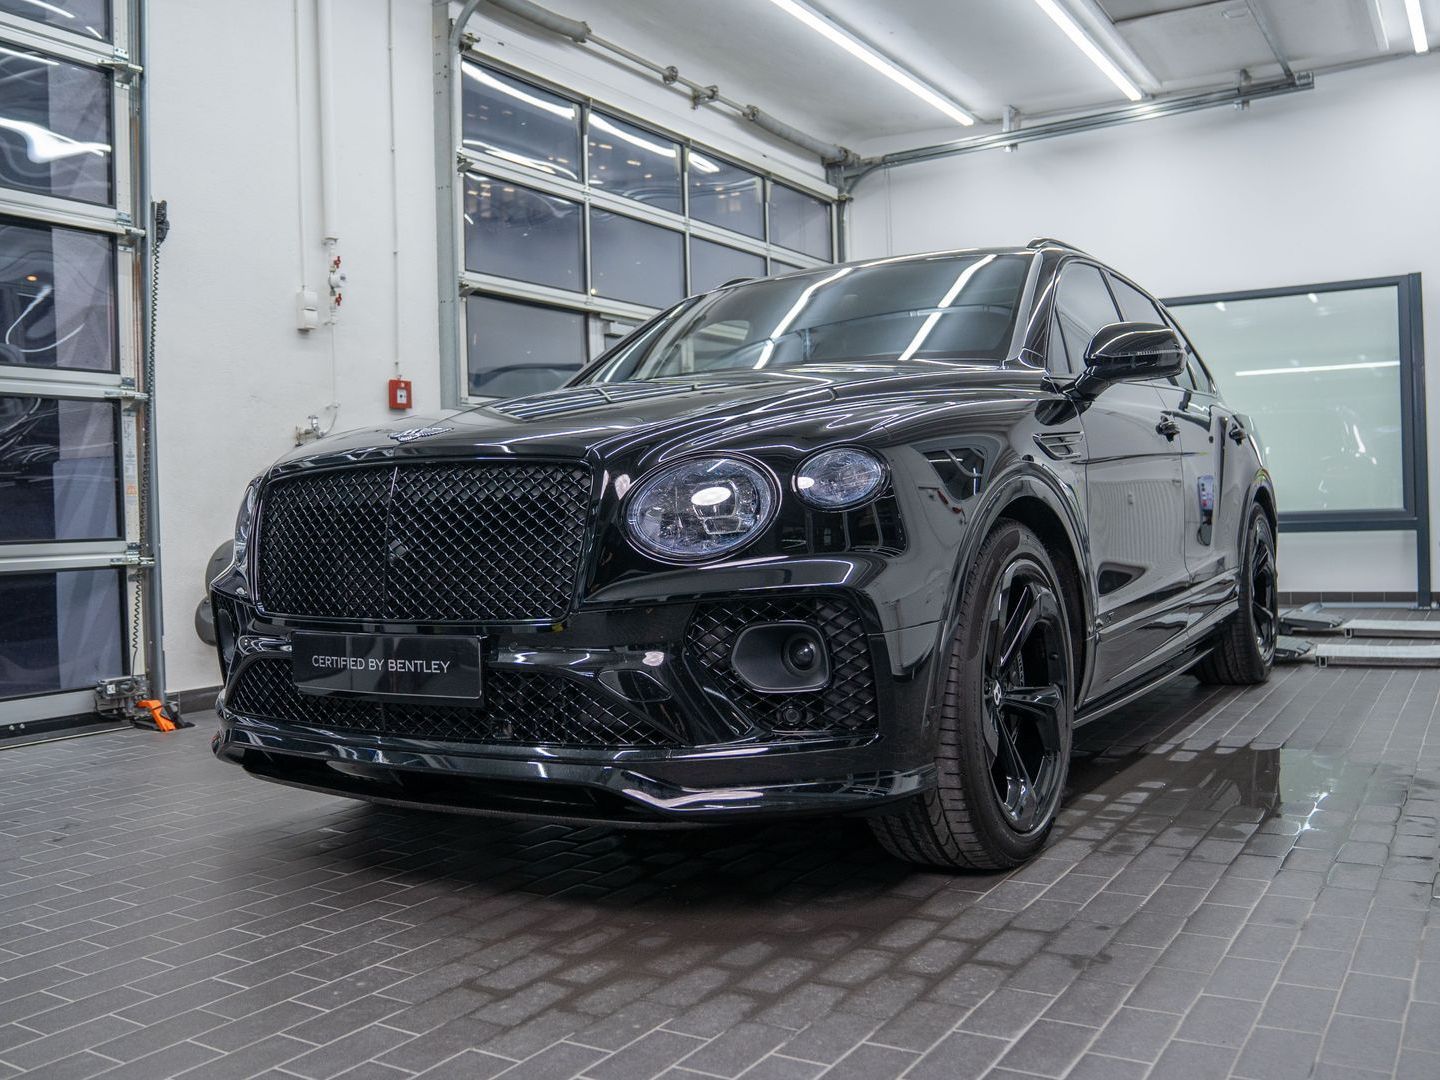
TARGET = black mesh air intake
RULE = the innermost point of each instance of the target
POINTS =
(425, 542)
(528, 708)
(847, 705)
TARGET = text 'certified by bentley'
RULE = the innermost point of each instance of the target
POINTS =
(388, 665)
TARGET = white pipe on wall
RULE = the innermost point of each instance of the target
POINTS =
(324, 31)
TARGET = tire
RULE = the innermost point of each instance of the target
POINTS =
(1005, 718)
(1244, 651)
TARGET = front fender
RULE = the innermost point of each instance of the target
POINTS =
(1025, 489)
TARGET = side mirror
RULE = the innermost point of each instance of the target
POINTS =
(1129, 351)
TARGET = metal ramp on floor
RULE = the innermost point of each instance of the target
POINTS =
(1346, 642)
(1346, 654)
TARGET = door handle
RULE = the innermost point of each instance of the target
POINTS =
(1168, 428)
(1237, 432)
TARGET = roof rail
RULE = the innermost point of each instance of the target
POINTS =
(1050, 241)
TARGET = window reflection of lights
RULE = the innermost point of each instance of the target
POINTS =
(701, 162)
(598, 121)
(945, 301)
(43, 145)
(1313, 369)
(1312, 298)
(50, 8)
(32, 57)
(873, 59)
(482, 76)
(794, 313)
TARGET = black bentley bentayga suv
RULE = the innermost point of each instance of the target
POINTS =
(871, 538)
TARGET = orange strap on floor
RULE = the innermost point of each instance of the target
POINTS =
(157, 713)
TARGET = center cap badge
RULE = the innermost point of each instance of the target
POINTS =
(411, 434)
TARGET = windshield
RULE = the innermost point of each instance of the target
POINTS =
(947, 307)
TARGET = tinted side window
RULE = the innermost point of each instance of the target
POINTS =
(1135, 306)
(1082, 306)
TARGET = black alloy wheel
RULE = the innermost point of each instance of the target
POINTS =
(1264, 597)
(1244, 648)
(1025, 693)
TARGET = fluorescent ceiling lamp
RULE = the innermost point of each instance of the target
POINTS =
(1417, 26)
(863, 52)
(1061, 18)
(1312, 369)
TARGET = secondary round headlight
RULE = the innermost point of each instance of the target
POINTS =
(838, 479)
(700, 508)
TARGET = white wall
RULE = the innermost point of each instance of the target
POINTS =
(237, 159)
(1336, 183)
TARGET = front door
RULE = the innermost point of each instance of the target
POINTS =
(1134, 497)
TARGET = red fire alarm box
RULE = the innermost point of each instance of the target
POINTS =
(400, 393)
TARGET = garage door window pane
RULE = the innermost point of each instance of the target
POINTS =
(56, 297)
(715, 264)
(799, 221)
(723, 194)
(517, 232)
(515, 349)
(54, 127)
(59, 631)
(638, 164)
(88, 18)
(520, 123)
(59, 470)
(636, 261)
(1319, 374)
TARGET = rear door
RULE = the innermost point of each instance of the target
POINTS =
(1133, 498)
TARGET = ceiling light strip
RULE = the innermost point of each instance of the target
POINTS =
(1417, 26)
(1082, 41)
(875, 60)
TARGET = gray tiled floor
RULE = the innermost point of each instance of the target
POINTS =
(1242, 885)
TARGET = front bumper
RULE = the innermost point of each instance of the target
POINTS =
(645, 733)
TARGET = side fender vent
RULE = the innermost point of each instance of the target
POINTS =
(961, 470)
(1061, 445)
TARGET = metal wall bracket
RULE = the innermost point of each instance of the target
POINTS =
(125, 72)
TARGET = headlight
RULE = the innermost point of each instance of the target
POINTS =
(839, 479)
(245, 522)
(700, 508)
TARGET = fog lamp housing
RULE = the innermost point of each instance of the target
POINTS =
(781, 658)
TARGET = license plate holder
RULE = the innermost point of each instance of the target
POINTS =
(402, 667)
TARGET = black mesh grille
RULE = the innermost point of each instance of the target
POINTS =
(520, 707)
(422, 542)
(846, 705)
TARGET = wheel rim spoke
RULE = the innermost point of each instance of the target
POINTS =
(1017, 629)
(1019, 798)
(1042, 703)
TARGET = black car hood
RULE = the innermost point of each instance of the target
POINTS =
(596, 420)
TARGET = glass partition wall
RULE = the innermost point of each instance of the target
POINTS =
(577, 223)
(69, 336)
(1333, 379)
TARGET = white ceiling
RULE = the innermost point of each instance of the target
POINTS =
(986, 54)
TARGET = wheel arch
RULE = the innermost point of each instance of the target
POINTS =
(1033, 497)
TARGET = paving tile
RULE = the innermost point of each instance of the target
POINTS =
(646, 1056)
(1273, 1054)
(1048, 1048)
